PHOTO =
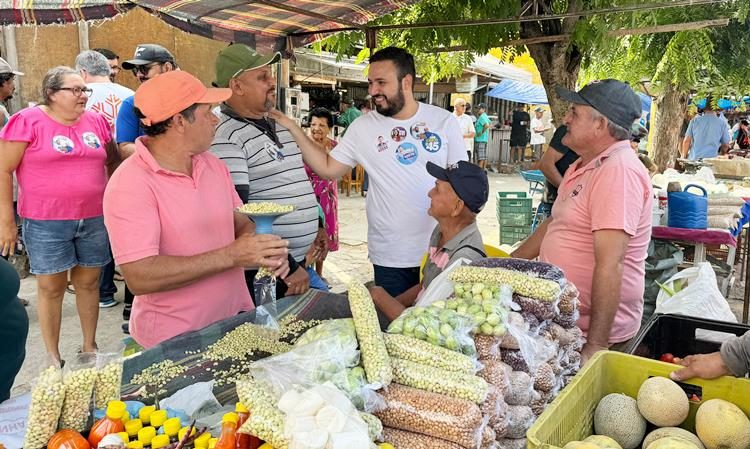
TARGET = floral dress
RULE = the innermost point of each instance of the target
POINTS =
(326, 191)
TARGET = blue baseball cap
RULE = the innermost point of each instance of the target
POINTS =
(468, 181)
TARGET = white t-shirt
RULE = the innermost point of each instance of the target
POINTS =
(467, 126)
(537, 138)
(107, 99)
(394, 153)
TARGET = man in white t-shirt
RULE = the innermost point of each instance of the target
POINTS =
(466, 124)
(538, 128)
(107, 97)
(393, 144)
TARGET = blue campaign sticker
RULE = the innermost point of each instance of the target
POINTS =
(432, 142)
(406, 153)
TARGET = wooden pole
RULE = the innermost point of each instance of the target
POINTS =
(83, 36)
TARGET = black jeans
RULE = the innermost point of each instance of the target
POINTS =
(107, 287)
(396, 280)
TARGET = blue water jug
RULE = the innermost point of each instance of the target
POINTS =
(688, 210)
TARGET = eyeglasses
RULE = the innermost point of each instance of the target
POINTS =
(77, 91)
(144, 69)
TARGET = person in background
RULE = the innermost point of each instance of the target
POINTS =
(61, 153)
(538, 128)
(348, 114)
(554, 163)
(470, 114)
(326, 190)
(733, 359)
(7, 88)
(741, 137)
(481, 136)
(112, 60)
(707, 135)
(519, 137)
(600, 226)
(466, 124)
(459, 194)
(366, 106)
(14, 328)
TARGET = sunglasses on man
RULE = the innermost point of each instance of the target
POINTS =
(144, 69)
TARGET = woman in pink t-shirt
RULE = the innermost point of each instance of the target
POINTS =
(59, 152)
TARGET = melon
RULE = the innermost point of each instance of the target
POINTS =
(671, 432)
(722, 425)
(603, 442)
(662, 402)
(617, 417)
(580, 445)
(672, 443)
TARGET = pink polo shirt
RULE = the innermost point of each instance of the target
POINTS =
(611, 192)
(152, 211)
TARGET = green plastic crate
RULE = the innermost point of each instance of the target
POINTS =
(513, 234)
(570, 417)
(514, 209)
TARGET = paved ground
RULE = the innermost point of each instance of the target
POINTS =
(347, 263)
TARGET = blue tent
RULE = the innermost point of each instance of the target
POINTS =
(519, 92)
(645, 102)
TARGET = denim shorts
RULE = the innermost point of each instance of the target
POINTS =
(55, 246)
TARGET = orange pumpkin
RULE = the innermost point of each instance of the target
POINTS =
(68, 439)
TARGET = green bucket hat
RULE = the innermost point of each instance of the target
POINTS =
(238, 58)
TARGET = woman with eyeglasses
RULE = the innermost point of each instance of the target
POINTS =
(59, 152)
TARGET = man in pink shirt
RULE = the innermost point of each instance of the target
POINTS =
(169, 213)
(600, 226)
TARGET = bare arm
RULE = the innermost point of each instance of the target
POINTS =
(724, 148)
(11, 152)
(163, 273)
(394, 307)
(548, 161)
(242, 225)
(315, 157)
(127, 149)
(113, 157)
(610, 246)
(529, 249)
(686, 142)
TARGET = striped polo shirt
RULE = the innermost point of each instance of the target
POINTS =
(273, 174)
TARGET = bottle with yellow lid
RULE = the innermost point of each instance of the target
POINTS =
(183, 431)
(202, 441)
(146, 434)
(212, 443)
(159, 441)
(111, 423)
(124, 435)
(228, 438)
(171, 427)
(157, 418)
(125, 416)
(133, 426)
(135, 444)
(144, 414)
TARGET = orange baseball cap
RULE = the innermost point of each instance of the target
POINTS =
(166, 95)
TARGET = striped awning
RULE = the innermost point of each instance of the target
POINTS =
(269, 25)
(43, 12)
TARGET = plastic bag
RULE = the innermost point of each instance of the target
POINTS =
(266, 421)
(699, 296)
(414, 350)
(47, 398)
(374, 426)
(512, 443)
(436, 380)
(482, 304)
(495, 410)
(437, 415)
(410, 440)
(520, 387)
(196, 400)
(108, 379)
(79, 378)
(488, 347)
(438, 326)
(496, 373)
(520, 418)
(441, 287)
(264, 287)
(341, 328)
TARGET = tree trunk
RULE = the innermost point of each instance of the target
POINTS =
(558, 66)
(670, 112)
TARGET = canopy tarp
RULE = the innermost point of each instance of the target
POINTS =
(42, 12)
(519, 92)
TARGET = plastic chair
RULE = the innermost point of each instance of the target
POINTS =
(347, 183)
(489, 250)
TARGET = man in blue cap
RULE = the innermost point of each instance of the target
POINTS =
(600, 226)
(460, 193)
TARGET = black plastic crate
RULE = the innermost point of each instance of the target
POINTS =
(676, 334)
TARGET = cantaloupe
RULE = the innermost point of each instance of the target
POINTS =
(662, 402)
(617, 417)
(603, 442)
(722, 425)
(672, 443)
(580, 445)
(671, 432)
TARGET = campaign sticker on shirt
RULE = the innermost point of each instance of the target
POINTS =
(382, 144)
(418, 130)
(274, 151)
(63, 144)
(92, 140)
(406, 153)
(398, 133)
(432, 142)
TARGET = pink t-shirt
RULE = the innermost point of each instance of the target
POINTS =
(151, 211)
(611, 192)
(61, 175)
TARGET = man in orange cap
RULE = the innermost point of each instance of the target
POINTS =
(169, 213)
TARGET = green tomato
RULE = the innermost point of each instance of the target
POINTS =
(446, 330)
(451, 343)
(479, 317)
(410, 323)
(420, 332)
(486, 293)
(489, 306)
(452, 304)
(462, 309)
(493, 319)
(474, 309)
(499, 330)
(458, 289)
(486, 329)
(445, 316)
(439, 304)
(476, 289)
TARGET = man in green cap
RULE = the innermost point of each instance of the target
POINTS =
(348, 114)
(264, 159)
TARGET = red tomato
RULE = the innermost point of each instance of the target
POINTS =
(668, 357)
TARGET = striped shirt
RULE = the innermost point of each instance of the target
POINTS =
(272, 174)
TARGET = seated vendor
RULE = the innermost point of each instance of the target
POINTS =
(459, 194)
(169, 213)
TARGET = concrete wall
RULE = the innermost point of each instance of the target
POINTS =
(43, 47)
